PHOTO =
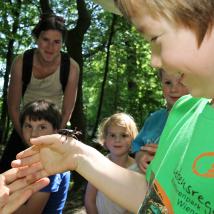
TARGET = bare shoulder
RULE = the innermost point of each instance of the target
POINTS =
(74, 65)
(18, 59)
(17, 65)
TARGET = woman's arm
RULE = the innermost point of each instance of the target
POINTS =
(90, 199)
(58, 155)
(70, 93)
(15, 93)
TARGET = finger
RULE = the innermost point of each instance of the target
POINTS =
(41, 183)
(45, 139)
(20, 198)
(36, 176)
(145, 165)
(22, 181)
(32, 169)
(10, 175)
(28, 152)
(32, 180)
(18, 184)
(142, 168)
(151, 150)
(147, 158)
(154, 145)
(26, 161)
(4, 195)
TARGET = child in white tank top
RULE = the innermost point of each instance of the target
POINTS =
(115, 134)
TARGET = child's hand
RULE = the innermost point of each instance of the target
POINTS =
(15, 191)
(145, 156)
(50, 154)
(150, 148)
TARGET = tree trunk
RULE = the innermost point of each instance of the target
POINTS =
(4, 113)
(74, 41)
(105, 75)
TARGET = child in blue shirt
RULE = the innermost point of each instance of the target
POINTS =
(145, 144)
(39, 118)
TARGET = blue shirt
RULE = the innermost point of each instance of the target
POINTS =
(58, 187)
(152, 129)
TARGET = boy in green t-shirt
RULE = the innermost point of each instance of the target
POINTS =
(181, 177)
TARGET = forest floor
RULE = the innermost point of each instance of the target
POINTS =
(75, 201)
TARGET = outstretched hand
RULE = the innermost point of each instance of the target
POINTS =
(145, 156)
(15, 191)
(50, 154)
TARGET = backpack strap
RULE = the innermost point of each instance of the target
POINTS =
(64, 69)
(27, 69)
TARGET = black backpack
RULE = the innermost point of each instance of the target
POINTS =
(28, 64)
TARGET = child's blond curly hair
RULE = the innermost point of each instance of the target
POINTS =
(118, 119)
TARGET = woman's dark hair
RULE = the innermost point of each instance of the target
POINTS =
(49, 21)
(41, 110)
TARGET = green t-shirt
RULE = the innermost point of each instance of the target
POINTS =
(181, 176)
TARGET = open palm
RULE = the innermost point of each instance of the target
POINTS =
(50, 154)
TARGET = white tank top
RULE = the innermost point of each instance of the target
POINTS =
(47, 88)
(107, 206)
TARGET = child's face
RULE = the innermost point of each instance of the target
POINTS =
(172, 88)
(175, 49)
(118, 140)
(31, 129)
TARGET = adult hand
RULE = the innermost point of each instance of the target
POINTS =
(145, 156)
(50, 154)
(15, 191)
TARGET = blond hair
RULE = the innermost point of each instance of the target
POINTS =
(197, 15)
(119, 119)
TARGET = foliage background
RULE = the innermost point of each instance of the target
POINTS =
(131, 84)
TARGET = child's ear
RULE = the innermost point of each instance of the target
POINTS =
(55, 131)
